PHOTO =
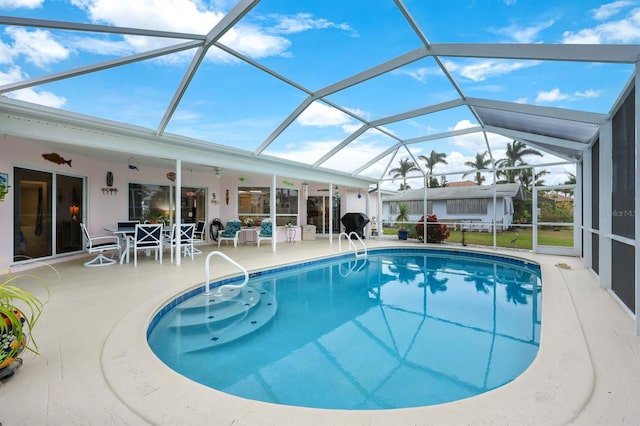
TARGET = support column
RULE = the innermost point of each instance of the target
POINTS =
(587, 200)
(637, 197)
(606, 205)
(272, 213)
(178, 210)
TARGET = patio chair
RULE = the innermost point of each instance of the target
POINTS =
(185, 238)
(265, 232)
(199, 235)
(99, 244)
(148, 236)
(231, 232)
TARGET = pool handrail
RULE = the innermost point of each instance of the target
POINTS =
(228, 259)
(353, 266)
(352, 244)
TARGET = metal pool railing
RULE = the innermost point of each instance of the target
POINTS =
(228, 259)
(352, 245)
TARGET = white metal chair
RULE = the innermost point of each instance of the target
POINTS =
(185, 238)
(231, 232)
(148, 236)
(199, 235)
(265, 232)
(99, 244)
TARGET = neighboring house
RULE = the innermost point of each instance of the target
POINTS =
(469, 206)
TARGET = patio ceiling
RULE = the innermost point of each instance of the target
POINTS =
(204, 123)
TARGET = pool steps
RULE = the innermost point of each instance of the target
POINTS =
(206, 321)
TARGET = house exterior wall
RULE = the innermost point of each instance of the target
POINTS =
(439, 208)
(104, 210)
(100, 210)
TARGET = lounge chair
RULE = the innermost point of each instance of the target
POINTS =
(265, 232)
(231, 232)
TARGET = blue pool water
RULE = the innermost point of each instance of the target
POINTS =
(402, 328)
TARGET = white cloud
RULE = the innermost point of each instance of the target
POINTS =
(305, 152)
(475, 142)
(626, 30)
(20, 4)
(321, 115)
(608, 10)
(100, 46)
(14, 74)
(180, 16)
(37, 46)
(303, 22)
(483, 69)
(40, 97)
(29, 95)
(420, 74)
(255, 43)
(555, 95)
(524, 34)
(589, 93)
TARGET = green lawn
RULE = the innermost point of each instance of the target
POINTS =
(523, 237)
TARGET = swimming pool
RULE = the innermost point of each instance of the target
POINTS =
(403, 328)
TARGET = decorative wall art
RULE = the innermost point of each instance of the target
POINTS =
(133, 164)
(4, 185)
(56, 158)
(109, 189)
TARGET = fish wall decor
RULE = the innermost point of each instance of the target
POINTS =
(56, 158)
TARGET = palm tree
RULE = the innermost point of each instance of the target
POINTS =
(432, 160)
(527, 182)
(405, 166)
(516, 151)
(571, 180)
(480, 164)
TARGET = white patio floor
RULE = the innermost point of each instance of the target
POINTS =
(95, 367)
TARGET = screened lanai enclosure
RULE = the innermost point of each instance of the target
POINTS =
(377, 99)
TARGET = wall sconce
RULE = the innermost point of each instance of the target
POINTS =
(337, 194)
(73, 211)
(213, 199)
(305, 191)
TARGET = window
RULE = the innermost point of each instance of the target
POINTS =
(415, 207)
(254, 202)
(156, 202)
(467, 206)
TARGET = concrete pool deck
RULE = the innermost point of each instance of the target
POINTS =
(95, 367)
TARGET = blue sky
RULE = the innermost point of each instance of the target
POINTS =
(315, 44)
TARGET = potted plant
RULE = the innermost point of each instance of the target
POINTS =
(403, 216)
(153, 216)
(19, 313)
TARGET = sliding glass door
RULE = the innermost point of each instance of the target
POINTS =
(48, 210)
(318, 213)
